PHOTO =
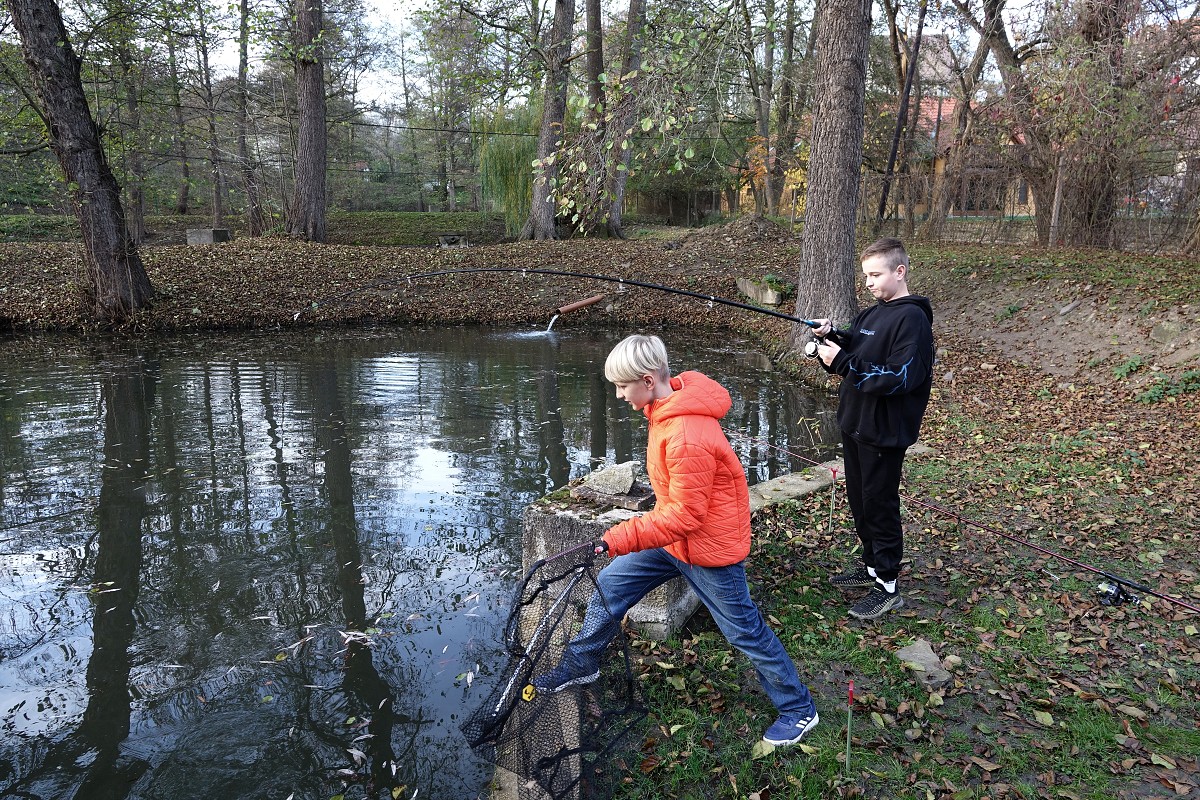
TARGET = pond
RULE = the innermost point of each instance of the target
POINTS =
(277, 564)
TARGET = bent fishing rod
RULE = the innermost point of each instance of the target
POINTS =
(708, 298)
(1014, 539)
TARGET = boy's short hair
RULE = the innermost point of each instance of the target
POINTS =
(635, 356)
(891, 249)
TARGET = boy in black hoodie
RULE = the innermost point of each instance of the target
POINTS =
(885, 359)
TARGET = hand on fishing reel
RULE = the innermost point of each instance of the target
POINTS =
(601, 547)
(824, 336)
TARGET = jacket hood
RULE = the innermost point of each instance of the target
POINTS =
(914, 299)
(695, 394)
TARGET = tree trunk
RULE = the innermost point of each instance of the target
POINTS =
(540, 224)
(179, 135)
(909, 75)
(939, 205)
(210, 104)
(412, 134)
(118, 282)
(135, 217)
(595, 60)
(828, 260)
(256, 221)
(631, 60)
(761, 80)
(793, 88)
(308, 200)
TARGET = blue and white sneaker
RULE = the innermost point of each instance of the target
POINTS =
(790, 729)
(568, 673)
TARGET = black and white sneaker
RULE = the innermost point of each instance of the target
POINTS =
(853, 579)
(877, 603)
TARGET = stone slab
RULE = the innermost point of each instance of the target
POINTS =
(209, 235)
(640, 497)
(925, 664)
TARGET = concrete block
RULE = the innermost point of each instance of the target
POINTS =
(759, 292)
(209, 235)
(549, 527)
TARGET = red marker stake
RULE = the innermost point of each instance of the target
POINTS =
(849, 714)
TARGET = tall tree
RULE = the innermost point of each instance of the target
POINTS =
(256, 221)
(204, 42)
(761, 78)
(307, 219)
(947, 178)
(555, 56)
(117, 279)
(179, 132)
(631, 63)
(826, 273)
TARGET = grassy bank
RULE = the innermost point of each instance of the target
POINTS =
(1054, 694)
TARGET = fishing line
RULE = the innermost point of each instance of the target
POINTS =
(708, 298)
(989, 529)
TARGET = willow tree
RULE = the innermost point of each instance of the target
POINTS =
(504, 166)
(826, 274)
(117, 279)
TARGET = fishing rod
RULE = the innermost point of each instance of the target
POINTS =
(708, 298)
(1111, 595)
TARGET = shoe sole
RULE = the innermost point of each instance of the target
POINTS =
(852, 584)
(582, 680)
(785, 742)
(889, 606)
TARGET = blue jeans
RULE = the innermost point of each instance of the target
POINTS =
(723, 590)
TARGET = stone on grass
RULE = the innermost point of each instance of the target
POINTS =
(925, 664)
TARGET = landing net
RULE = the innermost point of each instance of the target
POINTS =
(565, 744)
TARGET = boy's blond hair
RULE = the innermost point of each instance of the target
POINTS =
(635, 356)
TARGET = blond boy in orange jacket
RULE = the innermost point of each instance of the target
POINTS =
(699, 529)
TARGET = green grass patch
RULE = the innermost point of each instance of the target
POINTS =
(38, 228)
(1167, 387)
(411, 229)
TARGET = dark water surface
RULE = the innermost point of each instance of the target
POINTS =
(277, 564)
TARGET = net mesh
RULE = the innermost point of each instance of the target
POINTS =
(563, 744)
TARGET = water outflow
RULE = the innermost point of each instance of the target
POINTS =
(551, 325)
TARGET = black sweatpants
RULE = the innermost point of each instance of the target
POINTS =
(873, 487)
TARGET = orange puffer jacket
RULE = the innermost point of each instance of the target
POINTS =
(701, 513)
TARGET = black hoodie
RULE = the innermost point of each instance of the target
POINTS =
(886, 364)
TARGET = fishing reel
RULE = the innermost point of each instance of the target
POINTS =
(1114, 594)
(810, 348)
